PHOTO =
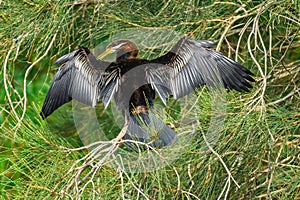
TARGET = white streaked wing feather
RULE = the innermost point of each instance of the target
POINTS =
(80, 77)
(194, 63)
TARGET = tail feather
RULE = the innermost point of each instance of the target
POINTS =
(147, 128)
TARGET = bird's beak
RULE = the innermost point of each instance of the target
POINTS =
(105, 53)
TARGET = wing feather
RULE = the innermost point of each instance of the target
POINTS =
(192, 63)
(111, 86)
(79, 77)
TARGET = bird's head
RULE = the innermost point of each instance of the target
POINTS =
(125, 49)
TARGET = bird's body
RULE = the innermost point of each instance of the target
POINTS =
(133, 82)
(134, 89)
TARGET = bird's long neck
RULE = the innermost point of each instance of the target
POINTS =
(125, 55)
(121, 56)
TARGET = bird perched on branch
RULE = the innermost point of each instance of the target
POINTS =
(133, 82)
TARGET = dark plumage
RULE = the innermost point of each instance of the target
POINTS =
(133, 82)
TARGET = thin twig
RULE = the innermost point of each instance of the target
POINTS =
(219, 157)
(284, 98)
(26, 75)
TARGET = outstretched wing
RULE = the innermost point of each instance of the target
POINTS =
(111, 85)
(192, 63)
(79, 77)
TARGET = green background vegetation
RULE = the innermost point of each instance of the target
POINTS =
(260, 139)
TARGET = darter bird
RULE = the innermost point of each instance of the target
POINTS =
(133, 82)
